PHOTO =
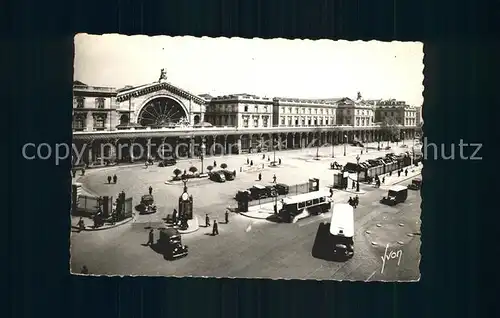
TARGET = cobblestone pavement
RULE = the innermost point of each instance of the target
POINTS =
(250, 248)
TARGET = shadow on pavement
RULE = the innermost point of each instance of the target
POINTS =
(323, 245)
(274, 218)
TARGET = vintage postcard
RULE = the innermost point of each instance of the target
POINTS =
(246, 158)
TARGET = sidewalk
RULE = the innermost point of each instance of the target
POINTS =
(89, 224)
(413, 172)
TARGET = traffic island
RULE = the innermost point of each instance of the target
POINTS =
(262, 212)
(103, 227)
(193, 226)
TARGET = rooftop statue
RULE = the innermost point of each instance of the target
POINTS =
(163, 75)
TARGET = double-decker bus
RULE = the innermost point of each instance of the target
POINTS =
(304, 205)
(342, 230)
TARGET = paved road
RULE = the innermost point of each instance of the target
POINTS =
(247, 248)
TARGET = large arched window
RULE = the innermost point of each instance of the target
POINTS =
(161, 112)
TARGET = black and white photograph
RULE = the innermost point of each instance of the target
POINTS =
(246, 158)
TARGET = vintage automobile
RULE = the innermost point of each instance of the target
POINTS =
(217, 176)
(397, 194)
(259, 192)
(170, 244)
(282, 188)
(147, 204)
(167, 162)
(229, 175)
(243, 195)
(416, 184)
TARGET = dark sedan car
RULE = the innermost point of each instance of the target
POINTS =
(282, 188)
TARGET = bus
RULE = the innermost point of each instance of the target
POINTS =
(342, 230)
(304, 205)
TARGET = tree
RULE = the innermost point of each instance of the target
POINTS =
(177, 172)
(193, 169)
(210, 168)
(391, 128)
(317, 134)
(223, 166)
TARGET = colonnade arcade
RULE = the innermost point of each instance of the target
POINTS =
(93, 150)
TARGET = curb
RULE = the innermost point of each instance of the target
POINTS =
(102, 228)
(189, 231)
(408, 178)
(254, 217)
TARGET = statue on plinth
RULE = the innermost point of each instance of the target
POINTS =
(163, 75)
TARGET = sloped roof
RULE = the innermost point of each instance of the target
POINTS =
(78, 83)
(125, 93)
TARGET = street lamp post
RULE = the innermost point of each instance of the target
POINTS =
(345, 141)
(333, 147)
(357, 179)
(413, 152)
(202, 155)
(274, 151)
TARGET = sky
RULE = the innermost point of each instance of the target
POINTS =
(267, 68)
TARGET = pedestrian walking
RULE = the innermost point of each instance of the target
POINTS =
(263, 156)
(251, 162)
(350, 201)
(207, 220)
(83, 171)
(109, 179)
(399, 173)
(73, 172)
(260, 176)
(115, 178)
(353, 184)
(241, 169)
(151, 238)
(226, 216)
(81, 224)
(150, 190)
(268, 158)
(406, 172)
(274, 178)
(215, 163)
(383, 179)
(356, 201)
(262, 166)
(174, 216)
(146, 164)
(215, 229)
(279, 161)
(248, 161)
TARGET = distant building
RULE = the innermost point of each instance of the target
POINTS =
(160, 112)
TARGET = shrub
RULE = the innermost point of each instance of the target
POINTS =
(177, 172)
(223, 166)
(193, 169)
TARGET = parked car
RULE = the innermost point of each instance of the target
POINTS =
(271, 191)
(229, 175)
(243, 195)
(217, 176)
(416, 184)
(282, 188)
(258, 192)
(167, 162)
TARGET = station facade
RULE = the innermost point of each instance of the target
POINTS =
(108, 121)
